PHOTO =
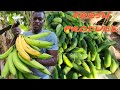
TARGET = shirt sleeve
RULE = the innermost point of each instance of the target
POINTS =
(25, 33)
(53, 38)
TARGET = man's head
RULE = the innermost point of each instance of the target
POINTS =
(38, 19)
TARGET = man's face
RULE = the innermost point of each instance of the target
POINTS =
(37, 21)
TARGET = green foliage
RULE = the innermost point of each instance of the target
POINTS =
(10, 17)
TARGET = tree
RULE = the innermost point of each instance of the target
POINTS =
(9, 18)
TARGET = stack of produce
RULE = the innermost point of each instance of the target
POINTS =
(20, 57)
(82, 55)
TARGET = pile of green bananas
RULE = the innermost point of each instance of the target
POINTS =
(20, 57)
(82, 55)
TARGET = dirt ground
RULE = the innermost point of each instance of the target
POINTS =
(116, 37)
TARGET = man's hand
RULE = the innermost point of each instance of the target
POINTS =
(52, 61)
(16, 31)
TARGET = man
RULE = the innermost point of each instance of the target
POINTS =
(37, 21)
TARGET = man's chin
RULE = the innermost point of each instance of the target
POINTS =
(36, 30)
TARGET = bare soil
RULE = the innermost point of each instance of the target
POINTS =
(116, 37)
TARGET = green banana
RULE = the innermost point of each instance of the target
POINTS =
(67, 40)
(62, 38)
(57, 20)
(20, 75)
(17, 76)
(69, 17)
(66, 69)
(81, 70)
(105, 45)
(5, 71)
(78, 50)
(61, 14)
(67, 61)
(98, 62)
(78, 61)
(74, 34)
(54, 25)
(31, 76)
(79, 44)
(46, 71)
(38, 43)
(11, 64)
(92, 69)
(63, 76)
(74, 75)
(100, 71)
(64, 45)
(61, 50)
(59, 69)
(26, 62)
(70, 74)
(69, 23)
(85, 66)
(114, 66)
(40, 35)
(45, 56)
(69, 13)
(107, 58)
(59, 44)
(1, 77)
(36, 48)
(18, 64)
(88, 57)
(55, 73)
(84, 77)
(84, 44)
(70, 35)
(73, 45)
(33, 63)
(82, 35)
(76, 56)
(50, 18)
(65, 21)
(91, 47)
(37, 64)
(59, 30)
(4, 55)
(60, 58)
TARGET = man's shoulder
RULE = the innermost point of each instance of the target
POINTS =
(52, 33)
(44, 30)
(27, 33)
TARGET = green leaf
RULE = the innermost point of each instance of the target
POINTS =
(23, 27)
(10, 19)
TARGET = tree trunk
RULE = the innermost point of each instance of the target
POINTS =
(3, 46)
(5, 39)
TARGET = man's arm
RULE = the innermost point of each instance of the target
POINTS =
(52, 61)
